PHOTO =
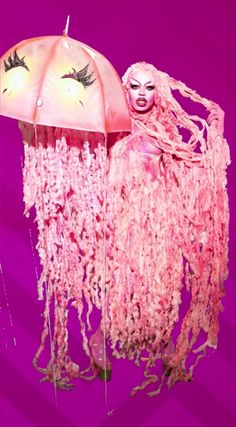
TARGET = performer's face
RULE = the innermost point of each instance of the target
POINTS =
(141, 91)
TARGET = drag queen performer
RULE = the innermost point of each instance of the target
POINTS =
(168, 203)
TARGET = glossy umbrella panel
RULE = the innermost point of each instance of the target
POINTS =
(58, 81)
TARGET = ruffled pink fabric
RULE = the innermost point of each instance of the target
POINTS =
(64, 175)
(170, 230)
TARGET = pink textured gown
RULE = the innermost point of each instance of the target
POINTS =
(168, 204)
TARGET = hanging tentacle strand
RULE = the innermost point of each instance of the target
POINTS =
(63, 180)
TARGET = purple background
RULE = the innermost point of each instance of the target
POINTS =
(193, 41)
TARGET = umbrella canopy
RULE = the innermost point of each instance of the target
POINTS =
(58, 81)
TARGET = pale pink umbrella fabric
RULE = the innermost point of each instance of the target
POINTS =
(58, 81)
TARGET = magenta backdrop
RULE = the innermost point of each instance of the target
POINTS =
(194, 41)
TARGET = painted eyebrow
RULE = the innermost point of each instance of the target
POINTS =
(132, 78)
(13, 61)
(83, 76)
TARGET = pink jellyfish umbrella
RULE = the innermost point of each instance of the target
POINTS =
(67, 98)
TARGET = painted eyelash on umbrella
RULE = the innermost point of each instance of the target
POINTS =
(81, 76)
(14, 61)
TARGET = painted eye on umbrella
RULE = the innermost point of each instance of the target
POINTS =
(14, 61)
(83, 76)
(16, 77)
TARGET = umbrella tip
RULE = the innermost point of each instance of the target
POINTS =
(65, 32)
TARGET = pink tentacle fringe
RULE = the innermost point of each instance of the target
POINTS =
(64, 175)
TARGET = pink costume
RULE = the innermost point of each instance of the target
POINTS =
(168, 202)
(64, 174)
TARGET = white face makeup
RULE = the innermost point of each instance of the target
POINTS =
(141, 91)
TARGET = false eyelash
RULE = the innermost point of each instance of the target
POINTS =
(14, 61)
(81, 76)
